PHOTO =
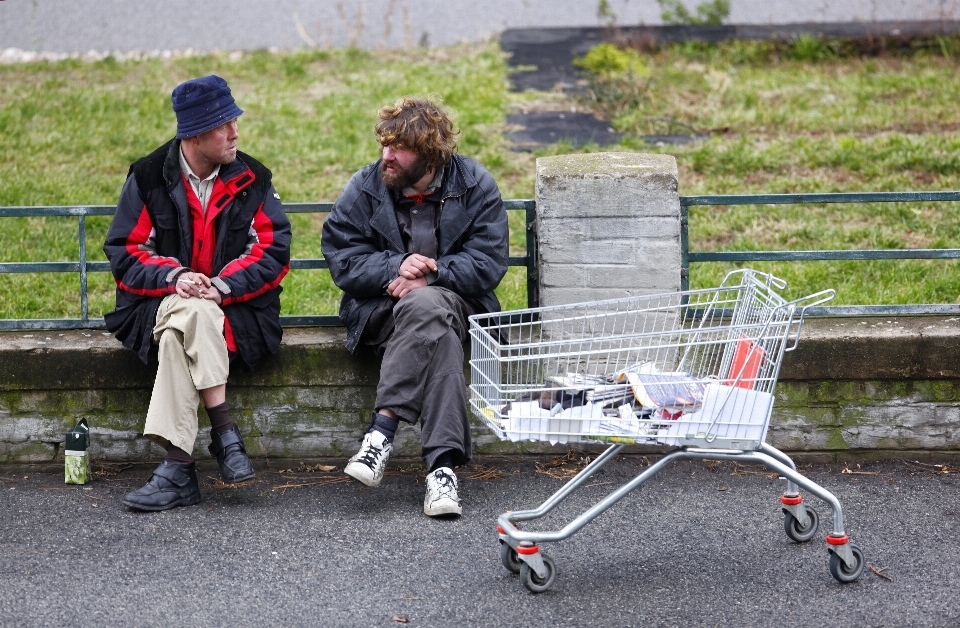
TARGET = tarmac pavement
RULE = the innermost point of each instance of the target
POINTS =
(701, 544)
(122, 25)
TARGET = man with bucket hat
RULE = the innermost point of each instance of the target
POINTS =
(198, 247)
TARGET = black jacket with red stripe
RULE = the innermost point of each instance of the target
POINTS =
(158, 232)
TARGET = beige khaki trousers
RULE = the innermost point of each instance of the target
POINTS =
(193, 357)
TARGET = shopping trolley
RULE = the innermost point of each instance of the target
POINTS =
(694, 370)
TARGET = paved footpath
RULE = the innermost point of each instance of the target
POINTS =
(107, 25)
(702, 544)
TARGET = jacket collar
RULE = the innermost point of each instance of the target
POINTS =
(456, 180)
(229, 173)
(236, 175)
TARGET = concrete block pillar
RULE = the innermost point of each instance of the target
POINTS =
(608, 226)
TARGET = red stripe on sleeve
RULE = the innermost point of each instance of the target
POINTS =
(270, 286)
(139, 237)
(154, 292)
(264, 228)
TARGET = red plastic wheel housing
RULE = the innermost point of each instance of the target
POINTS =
(500, 530)
(791, 501)
(838, 540)
(533, 549)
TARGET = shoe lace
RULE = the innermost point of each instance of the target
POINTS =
(370, 455)
(445, 486)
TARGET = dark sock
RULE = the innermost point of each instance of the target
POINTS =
(175, 454)
(220, 418)
(384, 424)
(443, 460)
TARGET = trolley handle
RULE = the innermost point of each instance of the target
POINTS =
(759, 278)
(812, 300)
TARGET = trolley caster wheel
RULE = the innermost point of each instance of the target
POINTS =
(535, 583)
(511, 561)
(839, 569)
(801, 534)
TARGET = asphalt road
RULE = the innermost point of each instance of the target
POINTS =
(108, 25)
(702, 544)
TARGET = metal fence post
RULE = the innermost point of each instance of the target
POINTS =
(84, 308)
(684, 247)
(533, 288)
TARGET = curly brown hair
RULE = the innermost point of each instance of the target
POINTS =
(420, 126)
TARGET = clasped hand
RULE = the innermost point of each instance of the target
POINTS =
(199, 286)
(411, 275)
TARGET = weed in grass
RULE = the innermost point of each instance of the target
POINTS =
(808, 48)
(711, 13)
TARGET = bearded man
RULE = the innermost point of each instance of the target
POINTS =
(198, 247)
(417, 241)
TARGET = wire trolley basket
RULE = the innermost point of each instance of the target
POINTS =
(695, 370)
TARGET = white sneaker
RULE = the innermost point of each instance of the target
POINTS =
(368, 464)
(442, 497)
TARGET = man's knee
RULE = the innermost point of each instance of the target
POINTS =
(424, 303)
(204, 307)
(169, 338)
(430, 313)
(189, 317)
(196, 311)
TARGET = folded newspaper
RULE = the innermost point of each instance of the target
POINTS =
(603, 390)
(642, 382)
(673, 391)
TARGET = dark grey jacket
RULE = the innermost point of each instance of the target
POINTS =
(362, 244)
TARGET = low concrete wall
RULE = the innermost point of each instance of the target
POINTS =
(609, 226)
(853, 388)
(879, 387)
(312, 399)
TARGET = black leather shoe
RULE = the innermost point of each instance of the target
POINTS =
(231, 455)
(172, 484)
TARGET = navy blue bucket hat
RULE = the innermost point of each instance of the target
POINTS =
(202, 104)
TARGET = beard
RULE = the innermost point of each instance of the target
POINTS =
(403, 177)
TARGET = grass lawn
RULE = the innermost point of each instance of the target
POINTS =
(784, 126)
(69, 130)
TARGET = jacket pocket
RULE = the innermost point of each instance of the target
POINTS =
(166, 234)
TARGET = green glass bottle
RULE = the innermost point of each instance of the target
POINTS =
(76, 468)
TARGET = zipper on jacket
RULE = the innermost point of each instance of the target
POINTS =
(442, 201)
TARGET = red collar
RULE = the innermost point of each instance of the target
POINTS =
(418, 198)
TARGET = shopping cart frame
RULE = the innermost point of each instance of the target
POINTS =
(520, 550)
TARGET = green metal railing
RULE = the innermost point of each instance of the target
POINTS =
(797, 256)
(83, 266)
(529, 260)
